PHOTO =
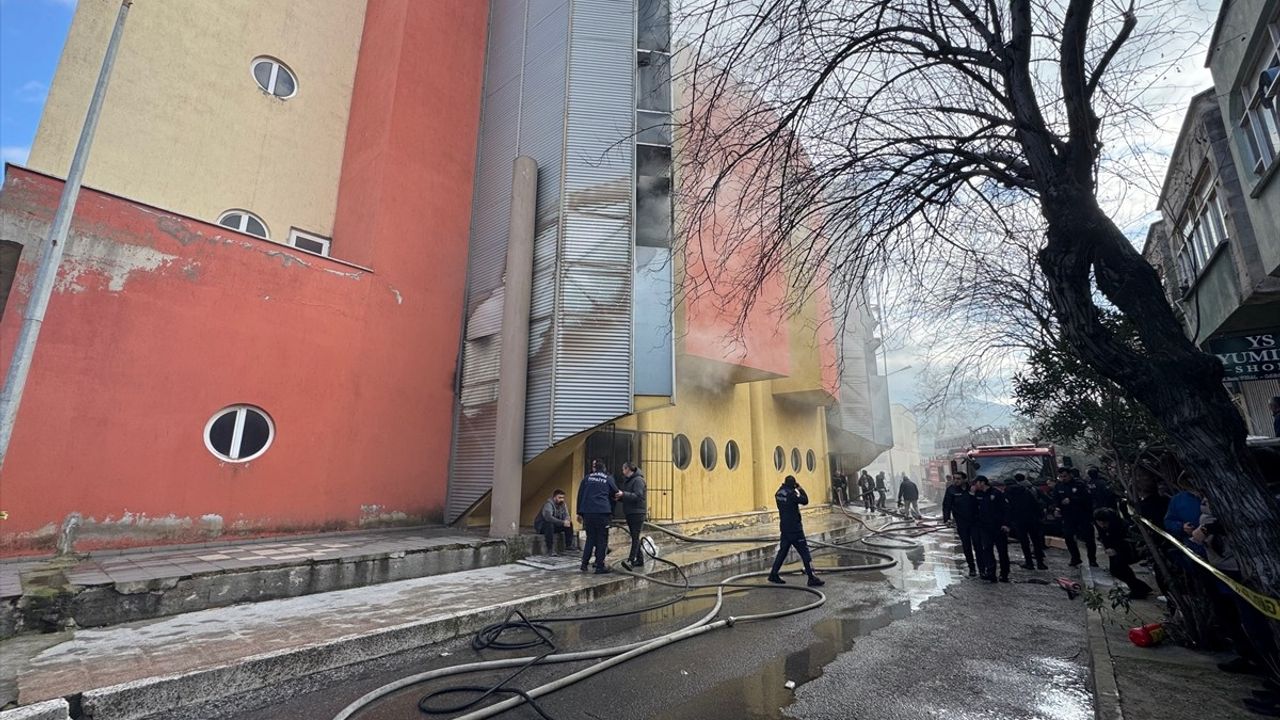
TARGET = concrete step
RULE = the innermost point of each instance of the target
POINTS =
(111, 588)
(202, 663)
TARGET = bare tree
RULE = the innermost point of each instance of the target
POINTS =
(884, 132)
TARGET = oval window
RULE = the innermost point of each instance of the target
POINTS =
(810, 461)
(795, 459)
(779, 459)
(274, 78)
(681, 451)
(239, 433)
(707, 453)
(246, 222)
(731, 455)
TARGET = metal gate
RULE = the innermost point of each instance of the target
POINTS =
(659, 470)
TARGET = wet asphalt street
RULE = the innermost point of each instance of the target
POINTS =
(915, 641)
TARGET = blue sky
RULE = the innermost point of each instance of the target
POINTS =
(32, 33)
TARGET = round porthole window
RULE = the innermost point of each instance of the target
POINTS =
(795, 459)
(707, 453)
(274, 78)
(731, 455)
(239, 433)
(779, 459)
(681, 451)
(810, 461)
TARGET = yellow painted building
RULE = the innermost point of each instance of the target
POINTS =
(718, 449)
(184, 78)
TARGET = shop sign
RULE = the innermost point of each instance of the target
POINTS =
(1255, 356)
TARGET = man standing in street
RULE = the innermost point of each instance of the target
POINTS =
(882, 491)
(789, 498)
(1025, 514)
(867, 487)
(553, 520)
(993, 528)
(595, 495)
(1072, 501)
(635, 507)
(909, 497)
(958, 507)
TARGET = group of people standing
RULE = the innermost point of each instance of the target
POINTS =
(598, 496)
(987, 512)
(874, 492)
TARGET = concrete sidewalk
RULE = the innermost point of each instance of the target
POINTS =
(169, 667)
(1168, 681)
(111, 587)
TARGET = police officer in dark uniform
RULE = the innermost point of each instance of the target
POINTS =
(789, 498)
(992, 528)
(1025, 513)
(596, 495)
(1072, 500)
(958, 507)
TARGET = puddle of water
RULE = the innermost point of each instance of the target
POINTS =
(920, 575)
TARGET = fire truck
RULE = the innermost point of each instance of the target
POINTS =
(1037, 462)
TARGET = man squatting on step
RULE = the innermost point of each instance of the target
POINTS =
(553, 520)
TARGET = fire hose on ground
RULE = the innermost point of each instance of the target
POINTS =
(539, 635)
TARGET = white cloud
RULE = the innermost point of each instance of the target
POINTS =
(14, 154)
(32, 91)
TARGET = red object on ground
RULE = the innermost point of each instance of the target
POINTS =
(1147, 635)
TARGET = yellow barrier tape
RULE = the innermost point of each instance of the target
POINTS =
(1265, 604)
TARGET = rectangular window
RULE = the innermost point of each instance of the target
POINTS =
(653, 128)
(653, 25)
(653, 196)
(1201, 228)
(653, 81)
(1260, 98)
(310, 242)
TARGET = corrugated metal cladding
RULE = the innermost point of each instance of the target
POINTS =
(558, 88)
(593, 353)
(523, 113)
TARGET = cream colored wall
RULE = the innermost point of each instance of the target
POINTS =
(184, 125)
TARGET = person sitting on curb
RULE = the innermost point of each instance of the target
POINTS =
(553, 520)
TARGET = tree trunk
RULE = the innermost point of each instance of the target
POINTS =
(1179, 384)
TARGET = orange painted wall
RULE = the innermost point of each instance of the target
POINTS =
(719, 259)
(161, 320)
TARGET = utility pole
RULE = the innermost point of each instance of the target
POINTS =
(15, 380)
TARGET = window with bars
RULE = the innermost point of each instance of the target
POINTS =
(1260, 96)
